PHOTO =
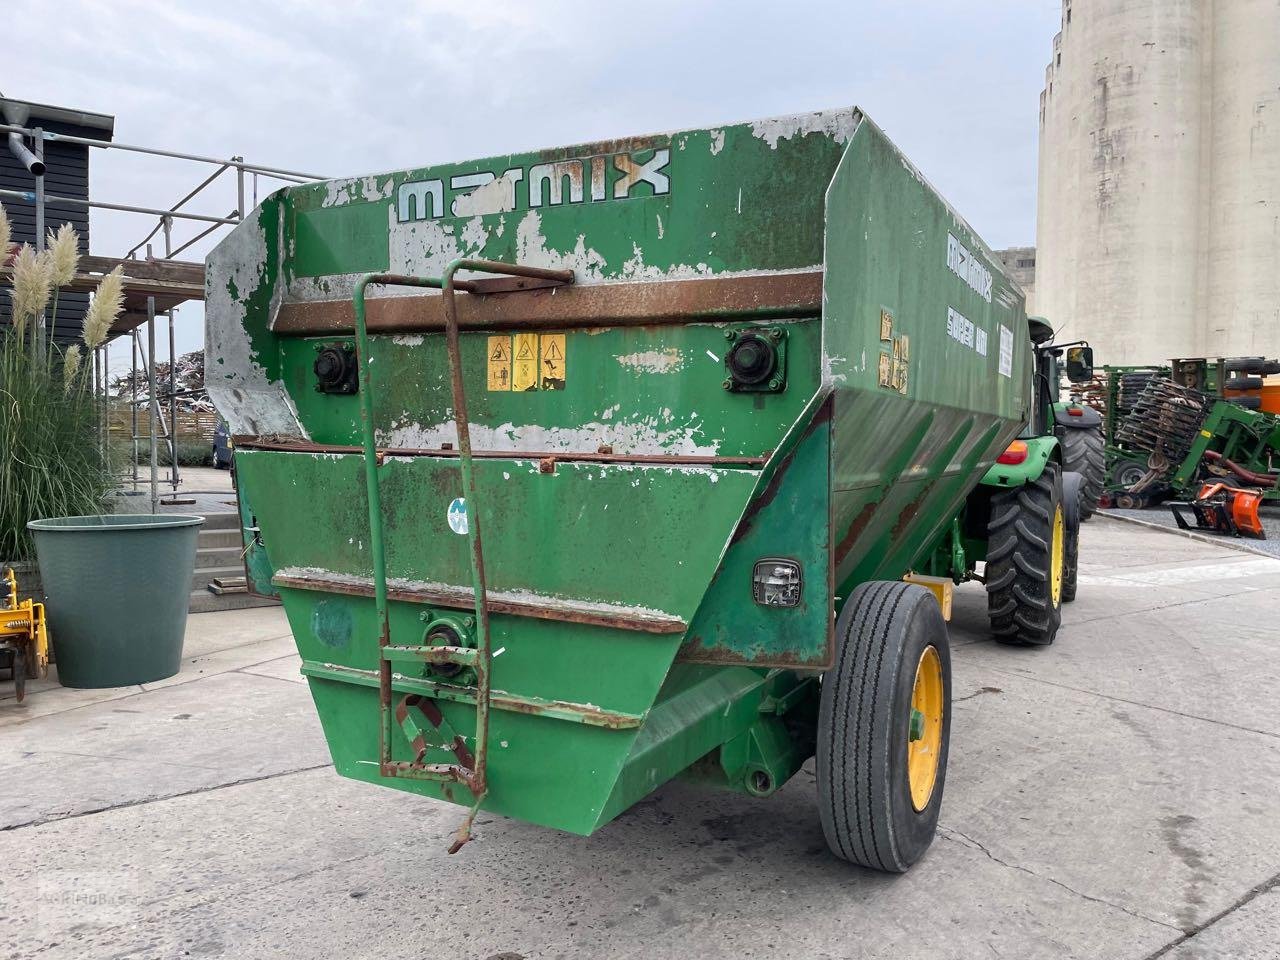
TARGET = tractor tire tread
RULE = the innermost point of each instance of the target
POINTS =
(1084, 452)
(1019, 561)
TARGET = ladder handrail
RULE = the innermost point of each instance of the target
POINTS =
(475, 779)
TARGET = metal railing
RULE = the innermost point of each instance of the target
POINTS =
(247, 175)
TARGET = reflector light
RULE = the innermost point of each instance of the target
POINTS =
(1016, 452)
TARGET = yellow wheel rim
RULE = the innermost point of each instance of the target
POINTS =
(1058, 552)
(924, 735)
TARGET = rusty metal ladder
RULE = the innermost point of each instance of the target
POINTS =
(470, 769)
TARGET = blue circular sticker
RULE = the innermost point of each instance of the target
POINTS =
(458, 516)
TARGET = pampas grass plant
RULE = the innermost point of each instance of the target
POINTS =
(108, 300)
(51, 463)
(63, 253)
(32, 284)
(71, 368)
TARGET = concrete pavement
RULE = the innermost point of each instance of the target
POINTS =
(1116, 795)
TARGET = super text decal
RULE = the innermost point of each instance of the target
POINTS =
(963, 330)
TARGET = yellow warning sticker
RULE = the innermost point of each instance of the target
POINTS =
(500, 363)
(524, 362)
(553, 361)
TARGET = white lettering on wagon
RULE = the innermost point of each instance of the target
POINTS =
(968, 268)
(578, 179)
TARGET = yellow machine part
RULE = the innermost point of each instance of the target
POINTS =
(23, 622)
(941, 587)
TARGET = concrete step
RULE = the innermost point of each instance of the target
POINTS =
(221, 521)
(217, 557)
(220, 538)
(202, 601)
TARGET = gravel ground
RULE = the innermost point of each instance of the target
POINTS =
(1163, 516)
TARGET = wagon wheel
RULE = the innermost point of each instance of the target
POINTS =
(1026, 560)
(883, 727)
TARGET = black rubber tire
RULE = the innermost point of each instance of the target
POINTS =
(1019, 543)
(1083, 451)
(1243, 383)
(1072, 494)
(1249, 403)
(1071, 566)
(864, 794)
(1245, 364)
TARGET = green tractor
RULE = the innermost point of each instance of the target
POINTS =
(1023, 519)
(1079, 427)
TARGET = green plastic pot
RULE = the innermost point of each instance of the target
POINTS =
(117, 591)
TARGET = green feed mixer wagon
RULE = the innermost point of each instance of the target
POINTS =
(583, 469)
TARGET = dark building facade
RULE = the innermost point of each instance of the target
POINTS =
(66, 175)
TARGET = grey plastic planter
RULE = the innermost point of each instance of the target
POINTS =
(118, 588)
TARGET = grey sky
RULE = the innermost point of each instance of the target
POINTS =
(349, 88)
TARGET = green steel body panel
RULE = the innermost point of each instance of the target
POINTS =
(904, 461)
(554, 536)
(1040, 450)
(789, 517)
(1246, 437)
(624, 492)
(650, 389)
(257, 565)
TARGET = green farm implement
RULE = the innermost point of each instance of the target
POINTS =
(583, 469)
(1182, 432)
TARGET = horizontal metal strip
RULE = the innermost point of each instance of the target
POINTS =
(662, 460)
(772, 296)
(461, 598)
(584, 713)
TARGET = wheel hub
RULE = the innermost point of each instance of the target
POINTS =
(1057, 556)
(924, 737)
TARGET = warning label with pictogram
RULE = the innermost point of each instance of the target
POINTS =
(500, 363)
(524, 363)
(552, 360)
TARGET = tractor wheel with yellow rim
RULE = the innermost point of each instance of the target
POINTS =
(1027, 539)
(883, 727)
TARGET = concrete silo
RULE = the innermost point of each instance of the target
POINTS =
(1159, 192)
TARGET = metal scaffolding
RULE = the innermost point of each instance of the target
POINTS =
(154, 285)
